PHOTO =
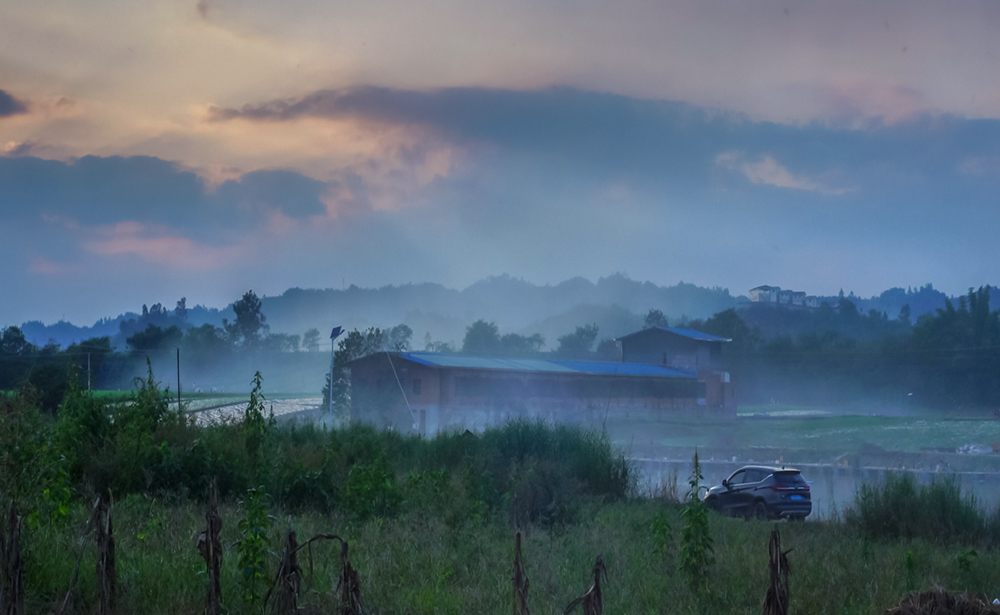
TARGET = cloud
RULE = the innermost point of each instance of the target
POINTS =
(159, 247)
(10, 105)
(106, 191)
(294, 195)
(14, 149)
(767, 171)
(44, 266)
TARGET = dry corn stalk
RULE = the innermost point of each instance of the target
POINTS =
(210, 547)
(520, 580)
(348, 587)
(776, 600)
(11, 566)
(289, 579)
(106, 573)
(592, 601)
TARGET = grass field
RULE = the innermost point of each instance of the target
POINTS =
(419, 564)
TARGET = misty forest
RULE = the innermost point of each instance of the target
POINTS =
(181, 459)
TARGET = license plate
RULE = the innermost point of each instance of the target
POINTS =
(796, 497)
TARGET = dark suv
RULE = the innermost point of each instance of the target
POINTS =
(762, 492)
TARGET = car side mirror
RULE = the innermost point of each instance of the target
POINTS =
(725, 483)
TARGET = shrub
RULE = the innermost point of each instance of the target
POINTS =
(900, 508)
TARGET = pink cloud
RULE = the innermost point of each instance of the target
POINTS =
(44, 266)
(134, 239)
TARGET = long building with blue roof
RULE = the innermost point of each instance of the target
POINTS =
(662, 371)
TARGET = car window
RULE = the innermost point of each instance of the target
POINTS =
(737, 478)
(789, 478)
(755, 476)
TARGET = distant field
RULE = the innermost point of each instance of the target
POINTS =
(811, 430)
(191, 401)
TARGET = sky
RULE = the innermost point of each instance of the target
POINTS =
(165, 149)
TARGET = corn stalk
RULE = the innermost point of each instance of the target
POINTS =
(592, 601)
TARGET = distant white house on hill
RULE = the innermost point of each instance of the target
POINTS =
(776, 296)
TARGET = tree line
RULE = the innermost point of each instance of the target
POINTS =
(833, 354)
(948, 358)
(156, 332)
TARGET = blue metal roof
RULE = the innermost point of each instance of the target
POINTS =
(688, 333)
(436, 359)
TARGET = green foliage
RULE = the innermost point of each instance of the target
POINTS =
(256, 428)
(910, 567)
(254, 545)
(355, 345)
(12, 342)
(22, 442)
(54, 504)
(370, 490)
(154, 338)
(250, 326)
(51, 382)
(660, 531)
(310, 340)
(697, 553)
(81, 430)
(654, 318)
(577, 345)
(900, 508)
(481, 338)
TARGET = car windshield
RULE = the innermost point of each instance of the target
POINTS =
(789, 478)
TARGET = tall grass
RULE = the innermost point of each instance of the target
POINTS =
(900, 508)
(419, 563)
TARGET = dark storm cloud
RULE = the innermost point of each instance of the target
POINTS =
(604, 127)
(293, 194)
(100, 190)
(655, 140)
(10, 105)
(105, 191)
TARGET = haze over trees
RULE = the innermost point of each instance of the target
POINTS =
(834, 354)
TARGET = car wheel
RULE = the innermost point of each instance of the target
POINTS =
(760, 511)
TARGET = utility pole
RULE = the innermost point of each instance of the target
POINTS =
(89, 390)
(178, 379)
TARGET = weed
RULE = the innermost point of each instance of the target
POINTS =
(697, 551)
(660, 532)
(256, 428)
(254, 544)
